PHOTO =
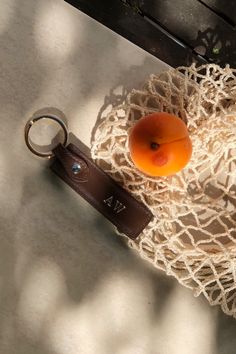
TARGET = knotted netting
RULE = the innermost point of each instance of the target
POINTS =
(193, 232)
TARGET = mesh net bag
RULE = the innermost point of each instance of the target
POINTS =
(193, 233)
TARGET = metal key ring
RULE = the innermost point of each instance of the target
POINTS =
(31, 122)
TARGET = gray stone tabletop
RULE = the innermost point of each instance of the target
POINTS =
(68, 284)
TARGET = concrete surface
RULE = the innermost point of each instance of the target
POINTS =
(68, 284)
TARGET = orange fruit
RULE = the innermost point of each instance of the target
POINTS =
(159, 144)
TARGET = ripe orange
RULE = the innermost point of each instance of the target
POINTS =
(159, 144)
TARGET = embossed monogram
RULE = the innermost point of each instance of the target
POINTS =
(115, 204)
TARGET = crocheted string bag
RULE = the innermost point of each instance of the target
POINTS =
(193, 232)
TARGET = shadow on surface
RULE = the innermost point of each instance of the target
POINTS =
(57, 234)
(225, 337)
(52, 225)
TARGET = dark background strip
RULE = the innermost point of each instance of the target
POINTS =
(177, 32)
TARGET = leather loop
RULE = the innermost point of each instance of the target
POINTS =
(100, 190)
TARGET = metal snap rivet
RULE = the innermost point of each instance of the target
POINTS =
(76, 168)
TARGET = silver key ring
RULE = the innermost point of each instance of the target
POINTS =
(32, 146)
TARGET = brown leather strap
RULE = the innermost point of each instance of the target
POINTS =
(100, 190)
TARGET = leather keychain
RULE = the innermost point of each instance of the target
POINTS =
(72, 163)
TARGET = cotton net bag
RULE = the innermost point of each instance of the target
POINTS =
(193, 232)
